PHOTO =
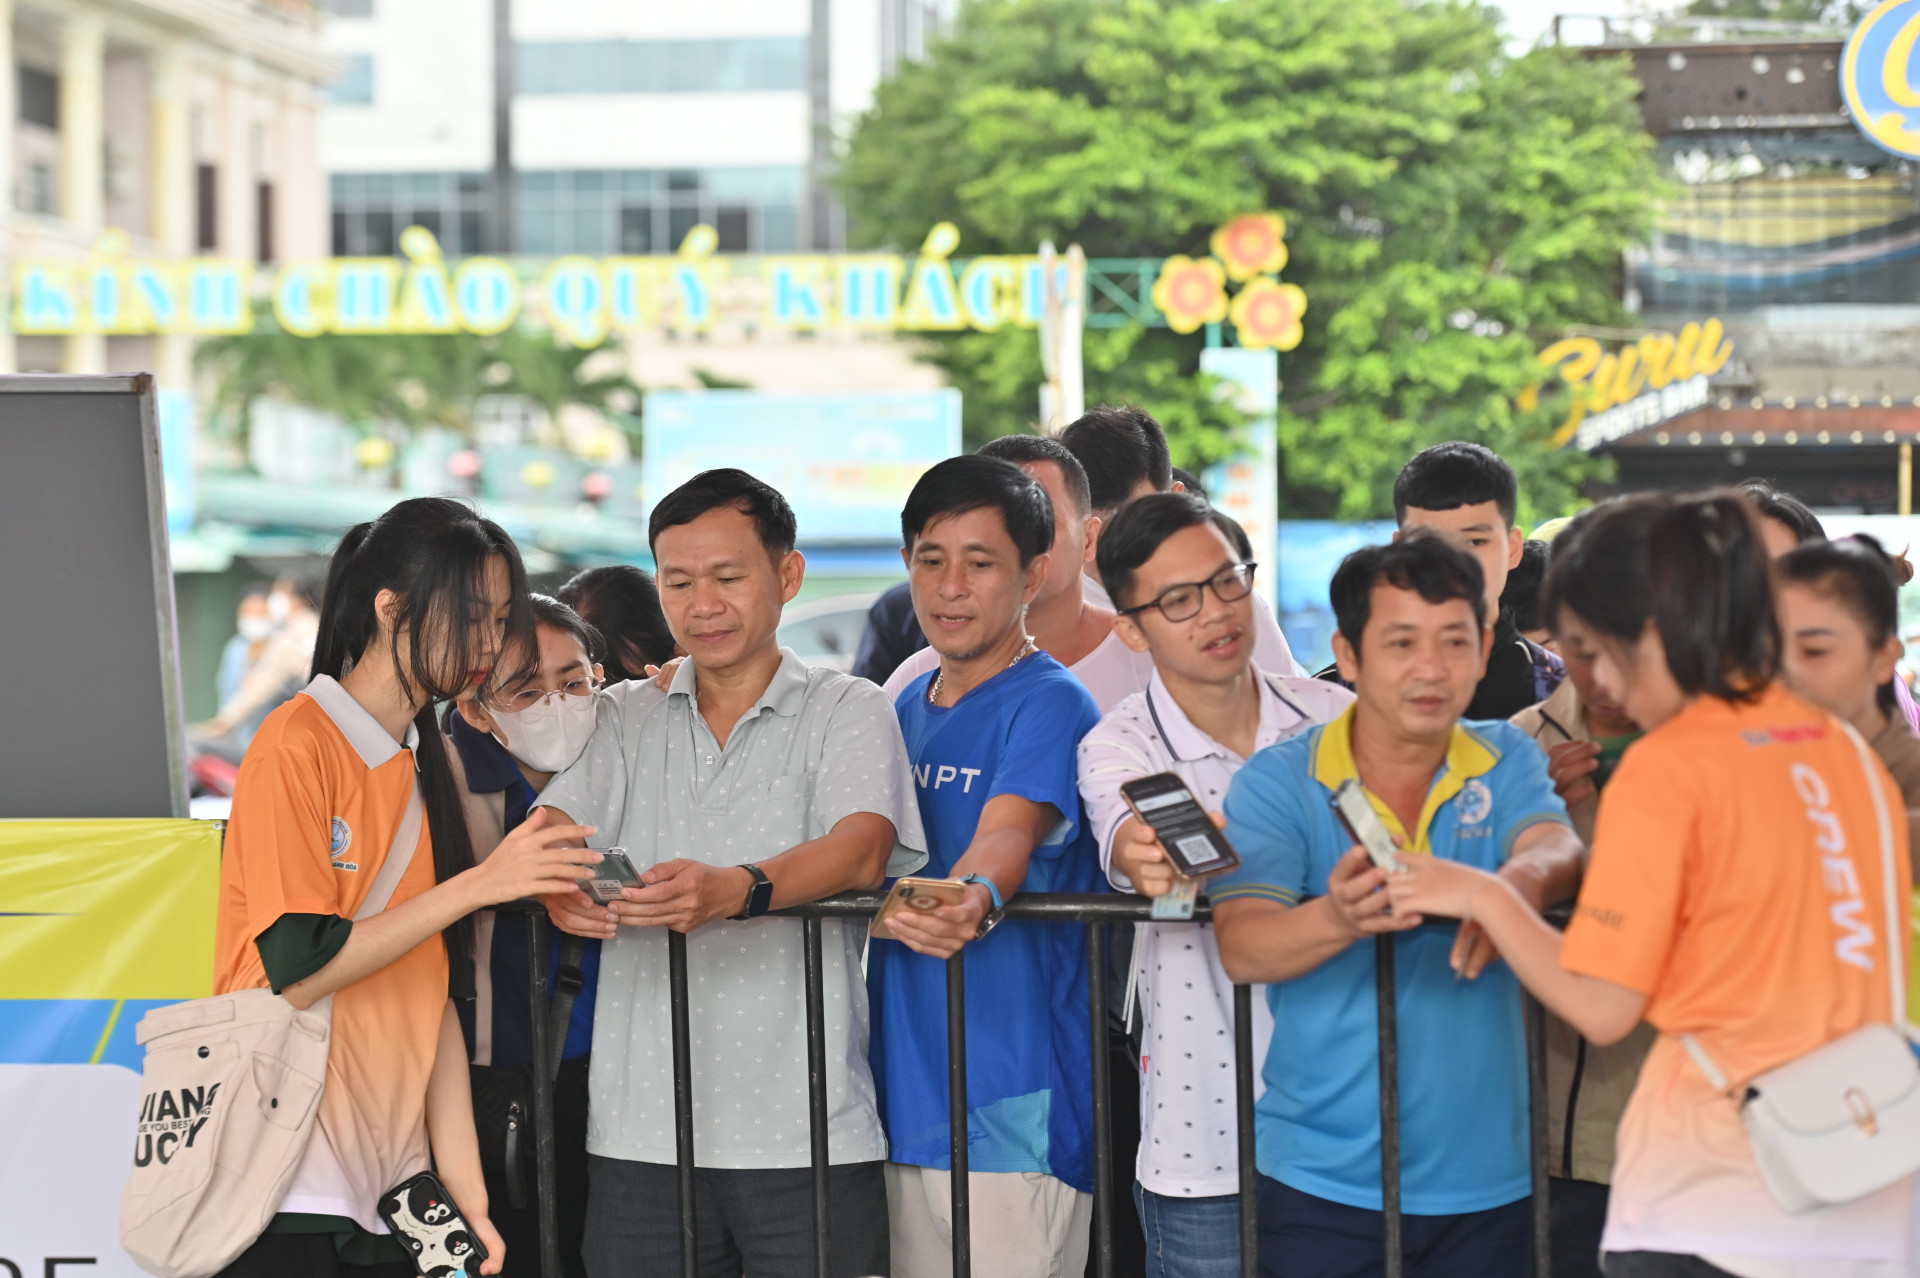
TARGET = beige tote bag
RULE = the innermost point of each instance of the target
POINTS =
(228, 1098)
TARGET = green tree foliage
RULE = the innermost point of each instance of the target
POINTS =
(414, 380)
(1449, 208)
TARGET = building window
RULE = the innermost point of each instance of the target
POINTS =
(38, 197)
(206, 207)
(348, 8)
(590, 211)
(371, 209)
(757, 65)
(263, 220)
(355, 85)
(39, 97)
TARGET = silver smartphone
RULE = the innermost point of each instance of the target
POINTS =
(611, 875)
(1369, 831)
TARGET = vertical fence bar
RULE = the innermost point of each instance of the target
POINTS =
(817, 1094)
(683, 1100)
(957, 1114)
(1102, 1102)
(1243, 1068)
(1389, 1015)
(546, 1189)
(1535, 1023)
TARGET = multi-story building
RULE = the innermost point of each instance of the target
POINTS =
(629, 124)
(1788, 225)
(189, 125)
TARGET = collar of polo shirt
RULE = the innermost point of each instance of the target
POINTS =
(785, 693)
(374, 744)
(1469, 755)
(1187, 743)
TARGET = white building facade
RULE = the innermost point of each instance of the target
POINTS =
(191, 126)
(632, 120)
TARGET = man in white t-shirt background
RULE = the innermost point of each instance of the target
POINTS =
(1186, 601)
(1125, 455)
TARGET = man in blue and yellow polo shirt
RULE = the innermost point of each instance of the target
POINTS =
(1413, 641)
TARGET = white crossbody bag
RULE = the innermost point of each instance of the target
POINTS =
(228, 1098)
(1844, 1120)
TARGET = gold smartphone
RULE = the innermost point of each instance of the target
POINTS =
(924, 895)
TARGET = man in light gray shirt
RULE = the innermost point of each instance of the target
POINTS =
(753, 783)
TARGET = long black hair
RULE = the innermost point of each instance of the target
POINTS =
(623, 604)
(1863, 578)
(432, 554)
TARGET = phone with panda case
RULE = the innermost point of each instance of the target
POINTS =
(423, 1216)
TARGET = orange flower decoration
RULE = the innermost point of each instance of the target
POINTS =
(1252, 244)
(1191, 293)
(1267, 313)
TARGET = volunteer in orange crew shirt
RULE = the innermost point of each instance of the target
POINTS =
(1715, 904)
(418, 604)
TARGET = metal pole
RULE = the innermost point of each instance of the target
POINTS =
(817, 1094)
(546, 1188)
(501, 213)
(1535, 1024)
(1102, 1103)
(957, 1114)
(1384, 995)
(1906, 478)
(1243, 1113)
(818, 231)
(683, 1100)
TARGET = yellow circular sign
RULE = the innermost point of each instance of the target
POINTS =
(1877, 77)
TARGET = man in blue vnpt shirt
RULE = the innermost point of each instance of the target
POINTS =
(992, 736)
(1413, 641)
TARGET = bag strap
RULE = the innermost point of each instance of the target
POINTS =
(1896, 974)
(406, 841)
(568, 983)
(1889, 879)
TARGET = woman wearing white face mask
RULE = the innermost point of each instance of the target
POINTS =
(508, 741)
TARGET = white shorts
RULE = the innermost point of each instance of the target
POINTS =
(1025, 1224)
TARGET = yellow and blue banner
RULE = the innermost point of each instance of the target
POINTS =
(100, 921)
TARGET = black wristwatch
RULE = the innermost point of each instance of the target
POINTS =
(759, 896)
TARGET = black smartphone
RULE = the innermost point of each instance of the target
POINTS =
(422, 1215)
(1193, 842)
(610, 876)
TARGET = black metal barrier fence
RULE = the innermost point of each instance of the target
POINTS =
(1095, 911)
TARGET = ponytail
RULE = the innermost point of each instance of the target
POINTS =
(1708, 578)
(432, 554)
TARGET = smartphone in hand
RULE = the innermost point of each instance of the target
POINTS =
(1369, 831)
(1193, 842)
(610, 876)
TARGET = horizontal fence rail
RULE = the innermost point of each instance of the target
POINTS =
(1093, 910)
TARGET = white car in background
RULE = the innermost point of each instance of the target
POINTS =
(826, 632)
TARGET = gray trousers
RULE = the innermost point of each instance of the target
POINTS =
(757, 1221)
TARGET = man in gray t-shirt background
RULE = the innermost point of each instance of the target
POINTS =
(753, 783)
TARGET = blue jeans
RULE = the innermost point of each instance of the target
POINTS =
(1189, 1237)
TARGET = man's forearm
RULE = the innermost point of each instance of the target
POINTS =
(850, 857)
(1548, 868)
(1001, 855)
(1279, 943)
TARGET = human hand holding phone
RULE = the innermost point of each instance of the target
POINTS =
(1573, 766)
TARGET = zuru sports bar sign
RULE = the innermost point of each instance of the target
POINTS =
(1638, 385)
(584, 299)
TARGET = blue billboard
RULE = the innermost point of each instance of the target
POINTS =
(844, 462)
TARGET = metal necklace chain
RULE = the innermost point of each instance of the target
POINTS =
(933, 689)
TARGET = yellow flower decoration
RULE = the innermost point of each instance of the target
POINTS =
(1267, 313)
(1252, 244)
(374, 452)
(1191, 293)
